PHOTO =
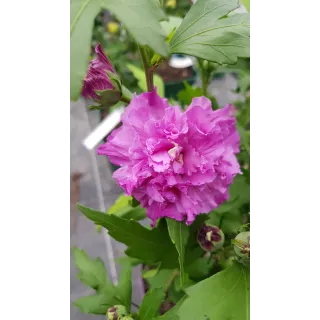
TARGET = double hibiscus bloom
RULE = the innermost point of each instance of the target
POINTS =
(176, 164)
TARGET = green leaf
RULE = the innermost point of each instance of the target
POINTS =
(225, 295)
(82, 15)
(160, 279)
(188, 93)
(151, 246)
(175, 296)
(125, 259)
(93, 274)
(168, 26)
(140, 76)
(231, 222)
(128, 212)
(123, 208)
(151, 304)
(187, 283)
(91, 271)
(122, 202)
(124, 288)
(141, 18)
(134, 202)
(203, 34)
(200, 267)
(230, 213)
(172, 314)
(246, 3)
(242, 66)
(179, 234)
(150, 273)
(214, 218)
(244, 82)
(244, 137)
(239, 195)
(95, 304)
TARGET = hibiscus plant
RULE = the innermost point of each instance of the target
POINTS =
(183, 169)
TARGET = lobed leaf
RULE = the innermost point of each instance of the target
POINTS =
(83, 13)
(179, 234)
(92, 272)
(205, 35)
(224, 295)
(94, 304)
(151, 303)
(150, 246)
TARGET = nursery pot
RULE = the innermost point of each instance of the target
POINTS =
(174, 72)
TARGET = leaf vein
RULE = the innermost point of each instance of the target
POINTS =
(199, 19)
(207, 30)
(77, 17)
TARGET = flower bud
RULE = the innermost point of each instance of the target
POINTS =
(102, 84)
(210, 237)
(241, 244)
(116, 312)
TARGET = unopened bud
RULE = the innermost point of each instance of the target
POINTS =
(210, 238)
(102, 84)
(241, 244)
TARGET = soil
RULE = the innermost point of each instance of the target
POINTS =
(170, 74)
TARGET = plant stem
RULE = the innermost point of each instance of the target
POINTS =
(206, 73)
(125, 99)
(204, 78)
(169, 282)
(148, 71)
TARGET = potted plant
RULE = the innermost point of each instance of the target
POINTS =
(187, 171)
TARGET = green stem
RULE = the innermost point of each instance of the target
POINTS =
(148, 71)
(207, 72)
(125, 100)
(204, 78)
(169, 282)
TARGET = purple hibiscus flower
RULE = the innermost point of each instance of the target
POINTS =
(177, 164)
